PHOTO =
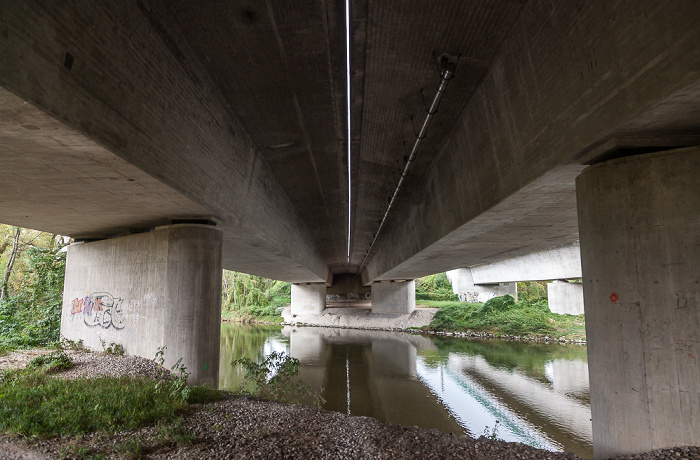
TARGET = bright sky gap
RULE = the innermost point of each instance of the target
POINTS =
(347, 67)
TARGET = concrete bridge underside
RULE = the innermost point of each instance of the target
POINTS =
(117, 118)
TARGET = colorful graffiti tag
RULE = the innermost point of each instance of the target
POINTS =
(100, 309)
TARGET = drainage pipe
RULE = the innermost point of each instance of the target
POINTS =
(445, 77)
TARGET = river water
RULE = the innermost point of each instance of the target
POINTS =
(536, 394)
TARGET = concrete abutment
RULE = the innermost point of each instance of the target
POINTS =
(149, 290)
(639, 220)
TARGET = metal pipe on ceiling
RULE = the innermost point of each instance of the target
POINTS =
(448, 71)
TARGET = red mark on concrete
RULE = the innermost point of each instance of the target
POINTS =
(614, 297)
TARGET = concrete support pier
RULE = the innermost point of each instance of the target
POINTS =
(565, 298)
(639, 220)
(308, 299)
(394, 297)
(149, 290)
(464, 286)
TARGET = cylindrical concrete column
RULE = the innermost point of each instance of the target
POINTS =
(639, 220)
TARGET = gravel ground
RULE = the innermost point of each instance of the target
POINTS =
(240, 427)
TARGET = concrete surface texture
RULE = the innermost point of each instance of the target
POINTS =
(565, 298)
(308, 299)
(118, 117)
(146, 291)
(394, 297)
(562, 262)
(363, 318)
(348, 288)
(640, 254)
(463, 285)
(238, 113)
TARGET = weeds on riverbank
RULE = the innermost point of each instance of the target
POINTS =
(277, 378)
(253, 315)
(435, 288)
(503, 315)
(35, 403)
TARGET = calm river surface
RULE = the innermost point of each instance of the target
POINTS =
(533, 393)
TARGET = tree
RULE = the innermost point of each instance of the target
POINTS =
(11, 262)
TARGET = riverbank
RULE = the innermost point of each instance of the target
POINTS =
(417, 322)
(243, 427)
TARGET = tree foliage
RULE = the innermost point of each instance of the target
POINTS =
(251, 295)
(30, 311)
(435, 287)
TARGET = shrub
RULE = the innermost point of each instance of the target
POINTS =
(500, 314)
(437, 296)
(277, 377)
(498, 304)
(532, 290)
(55, 361)
(32, 317)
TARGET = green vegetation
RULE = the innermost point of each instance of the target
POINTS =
(112, 348)
(435, 288)
(277, 378)
(529, 316)
(526, 357)
(253, 298)
(438, 303)
(504, 316)
(33, 266)
(55, 361)
(35, 403)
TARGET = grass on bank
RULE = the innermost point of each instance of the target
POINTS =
(35, 403)
(253, 313)
(504, 316)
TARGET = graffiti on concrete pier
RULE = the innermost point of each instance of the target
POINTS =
(100, 309)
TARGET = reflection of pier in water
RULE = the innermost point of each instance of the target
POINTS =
(559, 407)
(539, 395)
(378, 371)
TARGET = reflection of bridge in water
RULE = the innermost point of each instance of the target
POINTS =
(400, 378)
(558, 407)
(370, 373)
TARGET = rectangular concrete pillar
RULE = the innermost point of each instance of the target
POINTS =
(394, 297)
(308, 299)
(147, 291)
(639, 220)
(565, 298)
(463, 285)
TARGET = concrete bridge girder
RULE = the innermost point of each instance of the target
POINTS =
(480, 283)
